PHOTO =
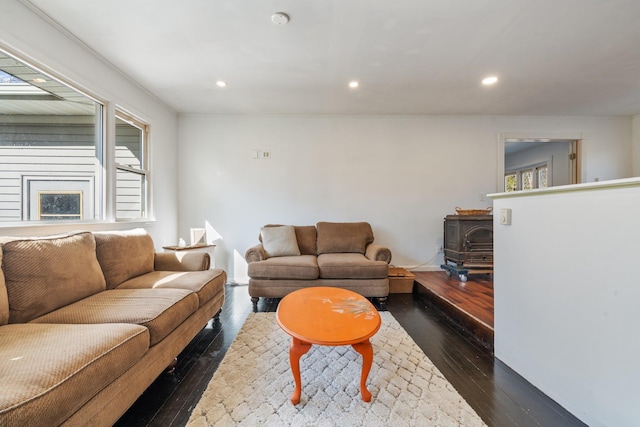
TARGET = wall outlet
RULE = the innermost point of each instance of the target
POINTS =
(265, 155)
(439, 249)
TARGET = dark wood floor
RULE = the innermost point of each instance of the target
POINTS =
(469, 304)
(499, 395)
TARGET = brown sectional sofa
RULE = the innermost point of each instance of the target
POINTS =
(89, 320)
(328, 254)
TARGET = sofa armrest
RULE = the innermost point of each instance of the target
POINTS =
(378, 253)
(181, 261)
(255, 253)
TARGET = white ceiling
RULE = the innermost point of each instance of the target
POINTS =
(553, 57)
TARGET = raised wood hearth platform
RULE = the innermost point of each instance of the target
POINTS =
(468, 304)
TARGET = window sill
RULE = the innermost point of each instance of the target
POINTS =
(27, 229)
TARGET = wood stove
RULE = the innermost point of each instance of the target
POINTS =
(468, 244)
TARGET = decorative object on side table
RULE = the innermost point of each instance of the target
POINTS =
(198, 236)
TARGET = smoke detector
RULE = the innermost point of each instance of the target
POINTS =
(280, 18)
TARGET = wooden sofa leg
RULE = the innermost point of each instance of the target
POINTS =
(383, 302)
(255, 300)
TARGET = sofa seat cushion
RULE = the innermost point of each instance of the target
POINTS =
(302, 267)
(350, 266)
(49, 371)
(47, 273)
(206, 284)
(159, 310)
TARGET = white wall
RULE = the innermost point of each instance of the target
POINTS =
(402, 174)
(566, 297)
(23, 32)
(636, 145)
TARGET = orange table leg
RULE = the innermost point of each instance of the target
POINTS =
(366, 350)
(297, 349)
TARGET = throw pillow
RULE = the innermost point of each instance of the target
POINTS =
(305, 235)
(279, 241)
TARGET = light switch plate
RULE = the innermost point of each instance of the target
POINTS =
(505, 216)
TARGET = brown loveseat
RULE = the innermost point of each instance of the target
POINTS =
(89, 320)
(329, 254)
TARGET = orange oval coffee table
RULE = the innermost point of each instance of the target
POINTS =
(328, 316)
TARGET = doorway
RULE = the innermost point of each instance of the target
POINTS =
(527, 163)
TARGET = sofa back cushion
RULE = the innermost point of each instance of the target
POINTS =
(307, 239)
(339, 237)
(306, 236)
(124, 255)
(4, 300)
(47, 273)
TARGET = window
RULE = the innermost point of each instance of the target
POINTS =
(131, 171)
(526, 178)
(52, 198)
(511, 181)
(541, 172)
(60, 205)
(53, 153)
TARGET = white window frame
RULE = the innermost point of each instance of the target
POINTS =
(142, 171)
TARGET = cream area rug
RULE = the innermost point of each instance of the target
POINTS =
(253, 384)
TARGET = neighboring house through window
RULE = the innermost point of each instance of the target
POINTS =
(53, 151)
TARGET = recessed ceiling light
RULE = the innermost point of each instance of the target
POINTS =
(489, 80)
(39, 80)
(221, 83)
(354, 84)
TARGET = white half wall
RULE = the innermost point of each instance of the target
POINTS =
(402, 174)
(32, 38)
(566, 296)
